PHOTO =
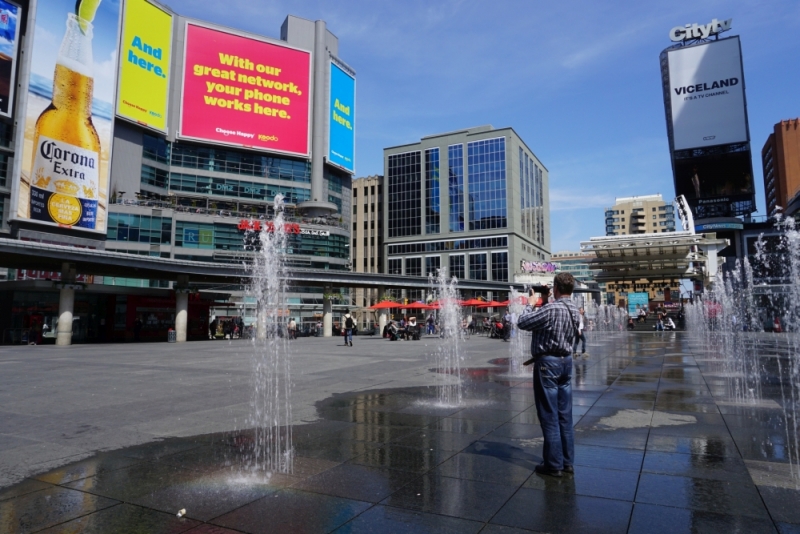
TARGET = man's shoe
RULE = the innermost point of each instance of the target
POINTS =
(569, 469)
(585, 356)
(543, 470)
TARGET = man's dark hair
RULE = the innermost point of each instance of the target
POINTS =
(565, 283)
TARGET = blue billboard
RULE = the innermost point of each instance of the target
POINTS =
(341, 117)
(637, 301)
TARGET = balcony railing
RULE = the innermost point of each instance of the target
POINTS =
(289, 215)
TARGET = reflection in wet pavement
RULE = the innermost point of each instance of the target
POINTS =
(661, 446)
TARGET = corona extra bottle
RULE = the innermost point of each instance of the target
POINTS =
(66, 158)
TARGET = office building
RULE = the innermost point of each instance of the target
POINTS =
(367, 234)
(474, 201)
(178, 185)
(780, 160)
(647, 214)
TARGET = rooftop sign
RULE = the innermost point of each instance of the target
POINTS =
(539, 266)
(699, 31)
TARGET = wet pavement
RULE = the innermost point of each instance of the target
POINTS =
(662, 445)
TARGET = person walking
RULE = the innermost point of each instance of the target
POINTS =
(507, 325)
(431, 327)
(292, 328)
(581, 337)
(349, 325)
(554, 328)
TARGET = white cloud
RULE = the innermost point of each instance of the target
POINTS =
(105, 78)
(578, 199)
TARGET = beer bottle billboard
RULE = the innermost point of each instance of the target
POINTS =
(64, 178)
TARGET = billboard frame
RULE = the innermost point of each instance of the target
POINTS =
(179, 130)
(352, 73)
(14, 79)
(16, 222)
(744, 204)
(128, 120)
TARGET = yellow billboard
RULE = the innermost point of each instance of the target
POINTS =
(144, 64)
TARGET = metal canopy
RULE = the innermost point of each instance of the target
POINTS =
(49, 257)
(648, 256)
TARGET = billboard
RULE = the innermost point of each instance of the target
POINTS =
(341, 119)
(714, 177)
(245, 92)
(9, 42)
(146, 53)
(636, 302)
(68, 115)
(707, 100)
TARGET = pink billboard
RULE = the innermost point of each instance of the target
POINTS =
(245, 92)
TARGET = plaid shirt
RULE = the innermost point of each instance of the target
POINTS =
(554, 327)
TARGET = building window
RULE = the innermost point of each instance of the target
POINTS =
(336, 200)
(455, 244)
(457, 266)
(139, 229)
(432, 206)
(396, 266)
(404, 194)
(500, 266)
(154, 176)
(486, 172)
(228, 187)
(432, 264)
(455, 186)
(413, 267)
(477, 266)
(235, 162)
(155, 148)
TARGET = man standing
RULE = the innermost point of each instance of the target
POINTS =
(349, 324)
(554, 327)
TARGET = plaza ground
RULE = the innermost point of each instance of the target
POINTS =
(108, 438)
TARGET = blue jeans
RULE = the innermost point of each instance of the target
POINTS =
(582, 338)
(348, 336)
(552, 391)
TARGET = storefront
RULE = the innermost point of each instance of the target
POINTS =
(29, 313)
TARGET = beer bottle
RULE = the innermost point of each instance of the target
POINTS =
(66, 157)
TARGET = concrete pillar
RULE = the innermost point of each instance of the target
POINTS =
(327, 313)
(319, 205)
(181, 315)
(66, 303)
(181, 307)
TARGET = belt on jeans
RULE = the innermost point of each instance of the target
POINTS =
(534, 358)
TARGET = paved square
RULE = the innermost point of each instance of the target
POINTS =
(107, 438)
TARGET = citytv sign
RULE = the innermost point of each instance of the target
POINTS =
(699, 31)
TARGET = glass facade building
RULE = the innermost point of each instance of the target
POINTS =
(495, 208)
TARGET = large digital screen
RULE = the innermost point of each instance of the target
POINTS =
(713, 178)
(636, 302)
(341, 118)
(144, 69)
(245, 92)
(9, 42)
(706, 86)
(68, 117)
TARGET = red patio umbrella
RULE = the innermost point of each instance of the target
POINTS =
(415, 306)
(385, 305)
(490, 304)
(473, 302)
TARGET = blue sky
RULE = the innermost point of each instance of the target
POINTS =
(578, 80)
